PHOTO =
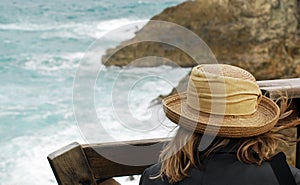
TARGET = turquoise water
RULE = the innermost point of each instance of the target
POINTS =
(42, 43)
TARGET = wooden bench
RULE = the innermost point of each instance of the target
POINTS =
(83, 165)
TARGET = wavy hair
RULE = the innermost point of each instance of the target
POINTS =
(182, 153)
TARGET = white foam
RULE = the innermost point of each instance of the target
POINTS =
(75, 30)
(124, 26)
(51, 63)
(137, 107)
(27, 26)
(29, 153)
(88, 29)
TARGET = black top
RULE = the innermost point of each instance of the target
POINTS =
(221, 168)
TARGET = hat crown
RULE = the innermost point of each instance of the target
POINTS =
(222, 90)
(226, 70)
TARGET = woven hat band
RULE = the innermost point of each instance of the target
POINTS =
(222, 95)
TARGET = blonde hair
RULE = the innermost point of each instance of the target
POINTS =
(181, 153)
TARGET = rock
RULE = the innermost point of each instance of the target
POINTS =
(261, 36)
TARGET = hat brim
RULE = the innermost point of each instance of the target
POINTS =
(232, 126)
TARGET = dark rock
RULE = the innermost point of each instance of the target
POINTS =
(260, 36)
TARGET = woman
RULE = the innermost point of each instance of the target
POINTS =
(228, 133)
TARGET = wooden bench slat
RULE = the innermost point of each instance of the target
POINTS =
(277, 88)
(70, 166)
(103, 167)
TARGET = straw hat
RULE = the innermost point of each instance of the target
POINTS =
(222, 100)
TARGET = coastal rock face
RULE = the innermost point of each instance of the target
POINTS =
(261, 36)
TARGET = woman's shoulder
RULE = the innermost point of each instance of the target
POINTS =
(153, 170)
(296, 174)
(152, 176)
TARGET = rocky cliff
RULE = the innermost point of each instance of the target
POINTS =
(261, 36)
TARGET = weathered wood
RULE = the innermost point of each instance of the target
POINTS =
(70, 166)
(137, 158)
(276, 88)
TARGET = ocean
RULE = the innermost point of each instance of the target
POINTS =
(42, 45)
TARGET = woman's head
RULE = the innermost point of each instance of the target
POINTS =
(222, 100)
(224, 104)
